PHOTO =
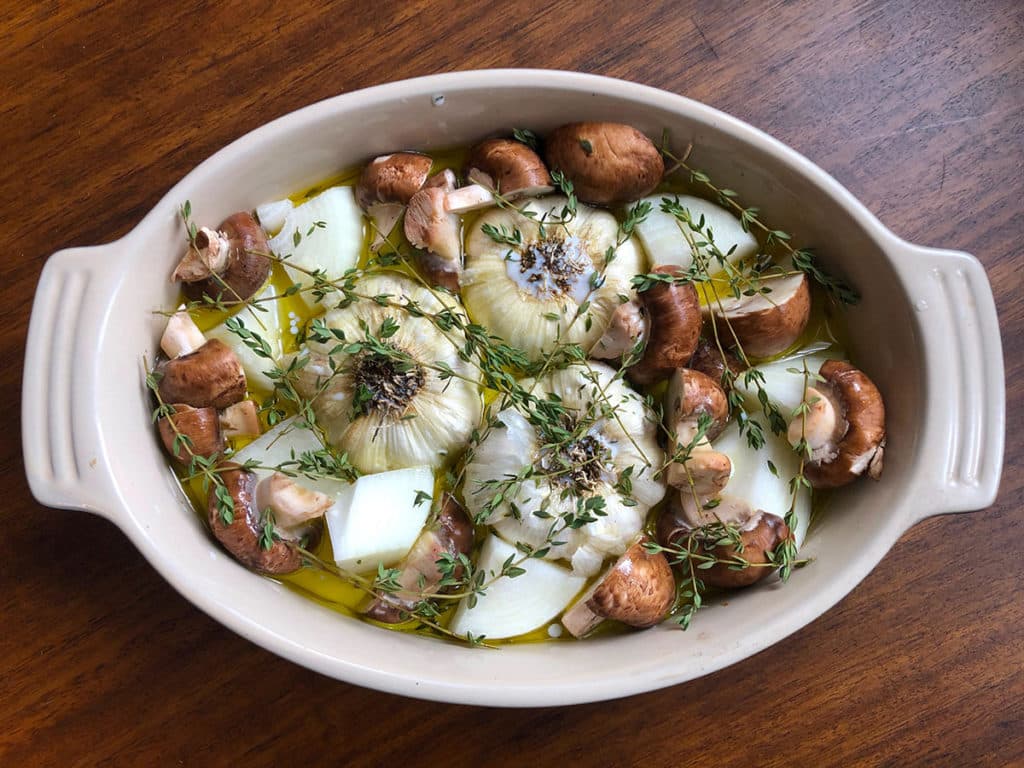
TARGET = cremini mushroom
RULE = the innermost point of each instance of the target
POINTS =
(844, 426)
(181, 335)
(673, 327)
(627, 327)
(419, 574)
(608, 163)
(200, 425)
(430, 227)
(386, 185)
(638, 590)
(509, 168)
(209, 377)
(765, 324)
(241, 419)
(711, 361)
(229, 263)
(292, 504)
(242, 531)
(690, 396)
(760, 534)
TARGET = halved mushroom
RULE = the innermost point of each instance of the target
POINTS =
(766, 324)
(673, 327)
(712, 362)
(451, 534)
(210, 377)
(638, 590)
(241, 533)
(627, 326)
(607, 163)
(760, 534)
(292, 504)
(386, 185)
(844, 427)
(430, 227)
(229, 263)
(509, 168)
(691, 395)
(241, 420)
(181, 335)
(200, 425)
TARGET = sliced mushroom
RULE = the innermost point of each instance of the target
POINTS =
(607, 163)
(627, 327)
(766, 324)
(242, 535)
(386, 185)
(229, 263)
(292, 504)
(240, 420)
(691, 395)
(181, 335)
(200, 425)
(451, 534)
(509, 168)
(472, 197)
(638, 590)
(711, 361)
(673, 327)
(760, 534)
(845, 426)
(210, 377)
(430, 227)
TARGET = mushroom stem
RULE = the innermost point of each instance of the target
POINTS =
(626, 327)
(291, 503)
(181, 335)
(241, 419)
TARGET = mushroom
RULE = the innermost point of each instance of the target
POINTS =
(468, 198)
(200, 425)
(690, 395)
(638, 590)
(844, 427)
(229, 263)
(292, 504)
(243, 535)
(673, 321)
(766, 324)
(181, 335)
(709, 360)
(209, 377)
(608, 163)
(626, 327)
(431, 227)
(509, 168)
(386, 185)
(241, 419)
(451, 534)
(760, 534)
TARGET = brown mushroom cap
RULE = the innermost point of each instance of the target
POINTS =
(392, 178)
(638, 590)
(451, 534)
(508, 167)
(241, 537)
(246, 269)
(862, 445)
(200, 425)
(607, 163)
(766, 324)
(673, 327)
(690, 395)
(210, 377)
(710, 361)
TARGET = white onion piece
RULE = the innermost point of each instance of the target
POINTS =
(514, 606)
(665, 243)
(333, 248)
(268, 326)
(753, 480)
(272, 215)
(785, 389)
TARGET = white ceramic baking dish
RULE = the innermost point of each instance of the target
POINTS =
(925, 331)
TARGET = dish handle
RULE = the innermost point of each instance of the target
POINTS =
(61, 440)
(961, 449)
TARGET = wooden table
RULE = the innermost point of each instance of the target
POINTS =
(917, 106)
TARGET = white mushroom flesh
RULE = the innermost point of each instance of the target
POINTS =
(291, 503)
(181, 335)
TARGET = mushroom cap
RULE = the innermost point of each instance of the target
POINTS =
(210, 377)
(430, 227)
(392, 178)
(508, 167)
(766, 324)
(673, 327)
(861, 447)
(628, 324)
(711, 361)
(608, 163)
(241, 537)
(246, 270)
(200, 425)
(690, 395)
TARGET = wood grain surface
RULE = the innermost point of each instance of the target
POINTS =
(916, 106)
